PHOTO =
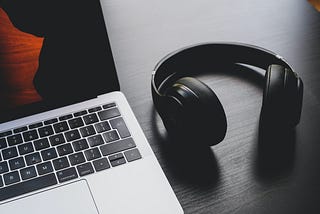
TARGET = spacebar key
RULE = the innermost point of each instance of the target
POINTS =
(27, 186)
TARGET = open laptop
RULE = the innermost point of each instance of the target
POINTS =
(76, 147)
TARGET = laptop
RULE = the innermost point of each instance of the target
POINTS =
(71, 143)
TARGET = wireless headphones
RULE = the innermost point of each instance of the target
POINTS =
(190, 110)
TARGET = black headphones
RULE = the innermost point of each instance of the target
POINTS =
(190, 110)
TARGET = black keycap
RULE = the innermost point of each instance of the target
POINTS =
(65, 117)
(109, 105)
(4, 167)
(27, 186)
(35, 125)
(45, 131)
(41, 144)
(6, 133)
(33, 158)
(3, 143)
(64, 149)
(95, 140)
(98, 108)
(67, 174)
(80, 113)
(90, 118)
(102, 127)
(57, 139)
(44, 168)
(16, 163)
(101, 164)
(85, 169)
(1, 182)
(9, 153)
(80, 145)
(60, 163)
(92, 154)
(76, 158)
(109, 113)
(14, 139)
(118, 146)
(10, 178)
(61, 127)
(76, 122)
(72, 135)
(20, 129)
(28, 173)
(119, 124)
(118, 162)
(49, 154)
(25, 148)
(111, 136)
(116, 156)
(132, 155)
(87, 131)
(30, 135)
(47, 122)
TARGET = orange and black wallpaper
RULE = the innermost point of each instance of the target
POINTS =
(19, 57)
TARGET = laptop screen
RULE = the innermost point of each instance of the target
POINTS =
(52, 53)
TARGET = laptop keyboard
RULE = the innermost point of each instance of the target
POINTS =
(60, 149)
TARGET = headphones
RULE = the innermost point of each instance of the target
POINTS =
(191, 111)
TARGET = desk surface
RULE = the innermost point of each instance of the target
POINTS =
(232, 180)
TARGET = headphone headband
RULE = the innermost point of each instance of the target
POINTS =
(183, 59)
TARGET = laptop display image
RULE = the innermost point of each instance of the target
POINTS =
(69, 141)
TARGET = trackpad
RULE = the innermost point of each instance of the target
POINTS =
(71, 198)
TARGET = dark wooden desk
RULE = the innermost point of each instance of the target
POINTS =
(232, 180)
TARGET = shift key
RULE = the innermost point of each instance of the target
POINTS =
(117, 146)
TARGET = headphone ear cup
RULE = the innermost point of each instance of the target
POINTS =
(201, 117)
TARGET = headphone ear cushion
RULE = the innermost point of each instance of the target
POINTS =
(202, 116)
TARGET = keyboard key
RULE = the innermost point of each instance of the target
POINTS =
(87, 131)
(80, 145)
(12, 177)
(116, 156)
(4, 167)
(119, 124)
(101, 164)
(65, 117)
(132, 155)
(21, 129)
(72, 135)
(14, 139)
(118, 162)
(33, 158)
(85, 169)
(109, 105)
(65, 149)
(60, 163)
(76, 158)
(98, 108)
(109, 113)
(44, 168)
(6, 133)
(76, 122)
(118, 146)
(57, 139)
(102, 127)
(41, 144)
(45, 131)
(27, 186)
(61, 127)
(67, 174)
(1, 182)
(90, 118)
(51, 121)
(30, 135)
(80, 113)
(9, 153)
(49, 154)
(35, 125)
(92, 154)
(16, 163)
(25, 148)
(3, 143)
(28, 173)
(111, 136)
(95, 140)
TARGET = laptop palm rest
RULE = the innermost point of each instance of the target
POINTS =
(71, 198)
